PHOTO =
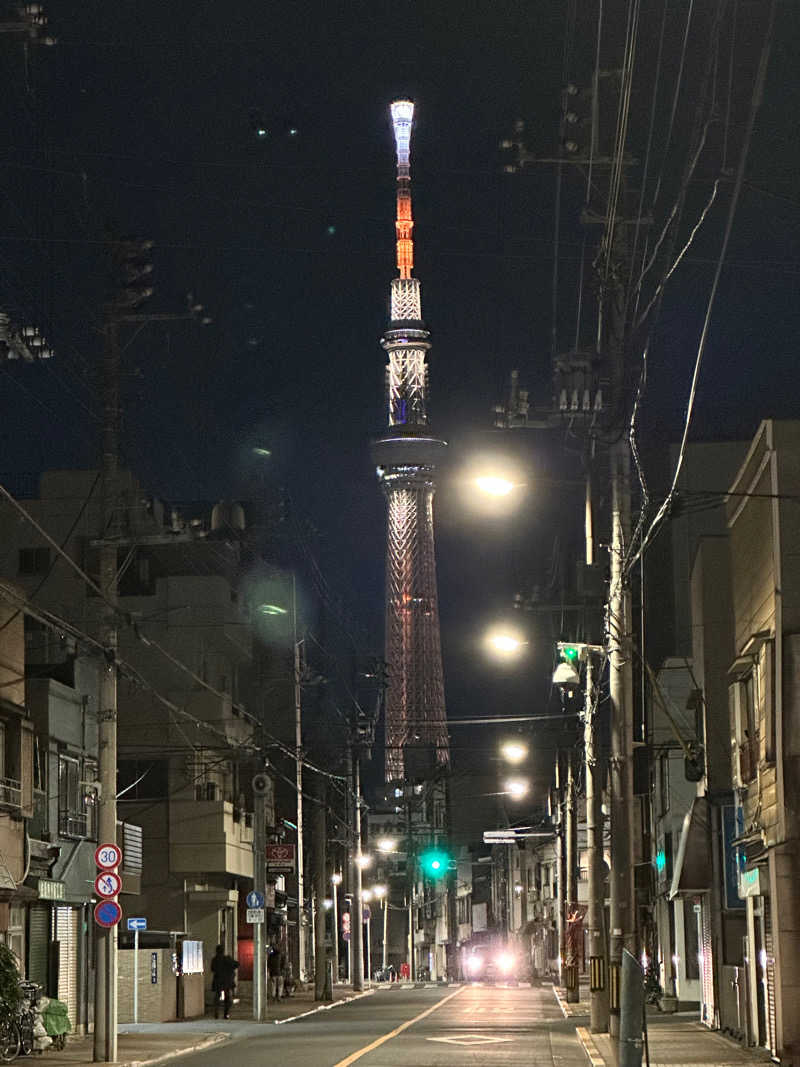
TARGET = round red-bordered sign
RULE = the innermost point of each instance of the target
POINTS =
(108, 884)
(107, 913)
(108, 856)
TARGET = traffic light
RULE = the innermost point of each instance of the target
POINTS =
(577, 109)
(132, 271)
(435, 863)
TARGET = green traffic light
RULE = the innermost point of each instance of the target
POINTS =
(434, 862)
(570, 652)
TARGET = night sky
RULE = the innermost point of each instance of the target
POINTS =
(144, 117)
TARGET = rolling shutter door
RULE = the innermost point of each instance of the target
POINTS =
(769, 949)
(707, 964)
(67, 927)
(38, 937)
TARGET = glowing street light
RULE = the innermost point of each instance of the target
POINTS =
(517, 787)
(387, 844)
(364, 860)
(504, 643)
(336, 878)
(495, 485)
(379, 891)
(514, 751)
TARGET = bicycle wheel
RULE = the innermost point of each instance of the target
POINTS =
(9, 1041)
(25, 1028)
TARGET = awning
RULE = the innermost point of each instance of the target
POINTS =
(692, 871)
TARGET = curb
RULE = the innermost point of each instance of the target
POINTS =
(199, 1046)
(324, 1007)
(589, 1047)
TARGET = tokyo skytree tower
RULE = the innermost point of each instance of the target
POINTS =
(406, 455)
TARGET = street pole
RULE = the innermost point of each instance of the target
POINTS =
(105, 1025)
(298, 742)
(385, 930)
(571, 888)
(260, 789)
(561, 865)
(369, 946)
(356, 922)
(595, 913)
(321, 991)
(618, 637)
(335, 896)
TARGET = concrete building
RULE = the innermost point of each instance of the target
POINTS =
(183, 773)
(763, 520)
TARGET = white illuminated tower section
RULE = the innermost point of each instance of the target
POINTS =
(406, 455)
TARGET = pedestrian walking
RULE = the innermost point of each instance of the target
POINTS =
(223, 970)
(276, 969)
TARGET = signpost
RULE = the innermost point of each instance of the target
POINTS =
(136, 924)
(255, 915)
(281, 859)
(107, 913)
(107, 857)
(107, 884)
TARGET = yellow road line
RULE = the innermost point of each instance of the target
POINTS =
(393, 1033)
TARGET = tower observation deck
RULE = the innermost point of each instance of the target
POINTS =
(406, 456)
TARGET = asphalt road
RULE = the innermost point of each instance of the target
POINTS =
(402, 1027)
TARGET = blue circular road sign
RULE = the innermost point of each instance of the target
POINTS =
(255, 899)
(107, 913)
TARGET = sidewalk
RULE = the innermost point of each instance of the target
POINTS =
(677, 1040)
(152, 1043)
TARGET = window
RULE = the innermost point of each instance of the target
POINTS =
(89, 797)
(691, 937)
(34, 560)
(748, 742)
(71, 814)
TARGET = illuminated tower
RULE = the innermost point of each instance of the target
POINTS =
(406, 454)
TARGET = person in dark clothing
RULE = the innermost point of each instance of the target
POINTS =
(276, 969)
(223, 970)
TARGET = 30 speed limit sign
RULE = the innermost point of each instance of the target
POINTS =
(107, 857)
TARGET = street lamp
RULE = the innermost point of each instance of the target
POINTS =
(366, 897)
(381, 894)
(364, 861)
(387, 844)
(336, 881)
(504, 642)
(517, 788)
(495, 485)
(514, 751)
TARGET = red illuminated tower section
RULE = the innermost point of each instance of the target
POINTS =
(406, 455)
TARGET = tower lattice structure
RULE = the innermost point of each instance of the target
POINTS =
(406, 455)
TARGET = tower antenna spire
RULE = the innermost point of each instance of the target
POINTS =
(406, 456)
(402, 118)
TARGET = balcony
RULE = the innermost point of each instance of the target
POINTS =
(210, 836)
(73, 824)
(10, 793)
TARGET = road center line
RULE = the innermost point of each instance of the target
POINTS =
(393, 1033)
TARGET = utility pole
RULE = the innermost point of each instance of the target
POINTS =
(322, 987)
(298, 742)
(105, 1018)
(571, 889)
(262, 788)
(357, 919)
(595, 913)
(618, 636)
(560, 865)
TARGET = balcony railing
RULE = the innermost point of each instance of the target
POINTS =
(72, 824)
(10, 793)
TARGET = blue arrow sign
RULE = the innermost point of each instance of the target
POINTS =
(137, 924)
(255, 899)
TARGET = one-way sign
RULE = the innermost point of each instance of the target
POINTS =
(137, 924)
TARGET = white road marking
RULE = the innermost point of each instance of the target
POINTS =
(470, 1039)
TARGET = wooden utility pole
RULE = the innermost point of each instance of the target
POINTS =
(319, 856)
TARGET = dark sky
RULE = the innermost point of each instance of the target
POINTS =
(144, 117)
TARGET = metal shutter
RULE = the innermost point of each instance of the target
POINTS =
(769, 949)
(707, 965)
(38, 937)
(67, 925)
